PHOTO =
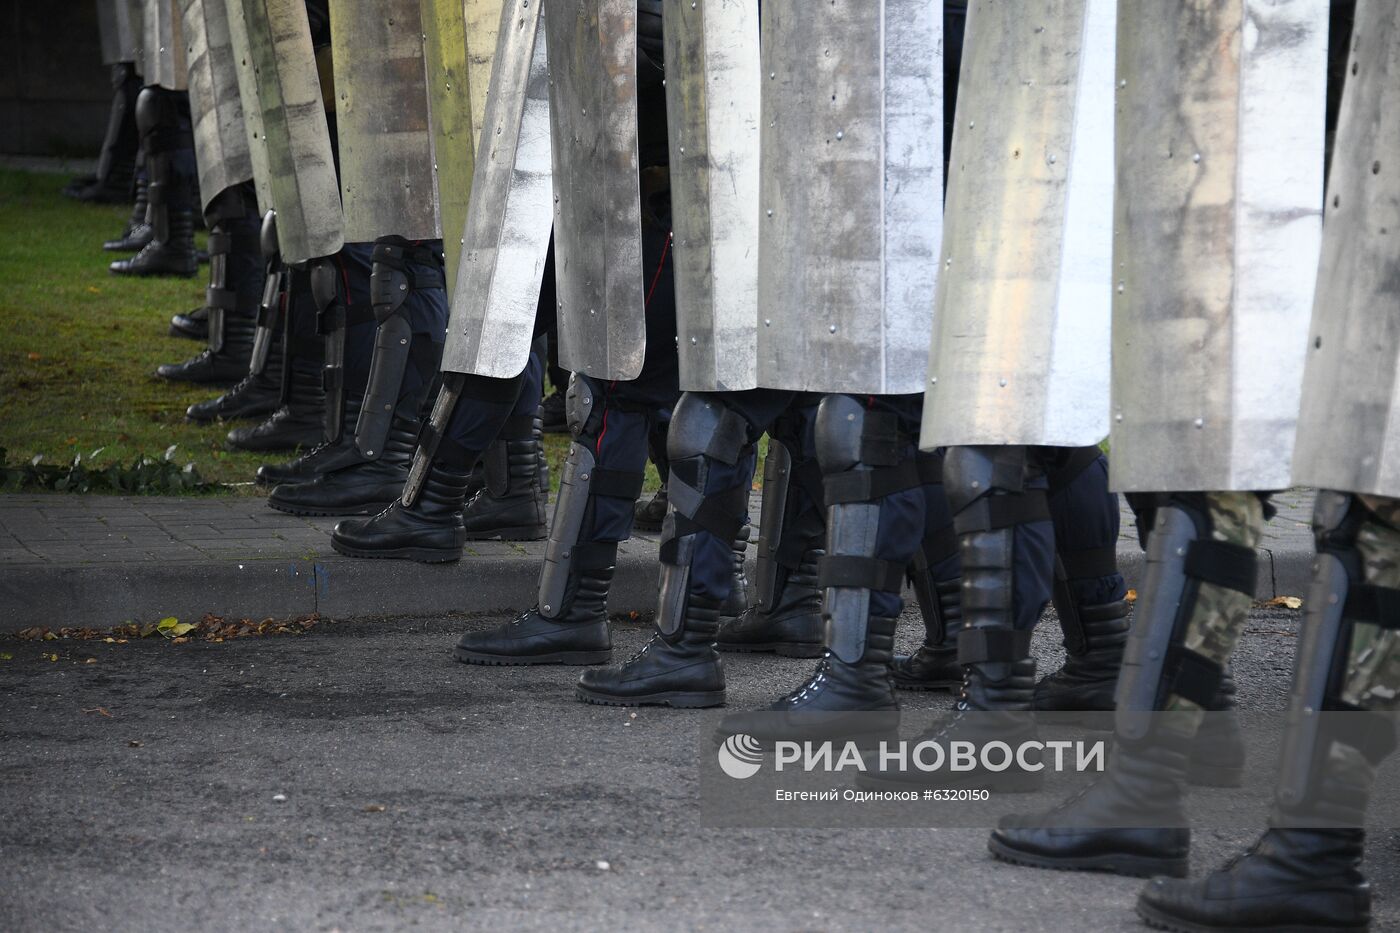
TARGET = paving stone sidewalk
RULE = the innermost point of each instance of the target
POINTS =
(103, 560)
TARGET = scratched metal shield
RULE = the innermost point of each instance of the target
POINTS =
(220, 137)
(1020, 347)
(852, 162)
(712, 100)
(162, 46)
(1347, 430)
(301, 182)
(120, 28)
(597, 210)
(1220, 108)
(382, 123)
(506, 235)
(248, 93)
(455, 48)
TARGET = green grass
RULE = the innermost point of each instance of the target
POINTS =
(78, 346)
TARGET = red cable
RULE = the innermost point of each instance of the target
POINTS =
(657, 277)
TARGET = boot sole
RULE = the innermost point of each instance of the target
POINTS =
(1133, 866)
(646, 526)
(1161, 921)
(782, 649)
(519, 533)
(369, 508)
(572, 658)
(676, 699)
(417, 554)
(231, 416)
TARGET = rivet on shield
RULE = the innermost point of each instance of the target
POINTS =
(1196, 157)
(840, 134)
(831, 328)
(1200, 422)
(1002, 383)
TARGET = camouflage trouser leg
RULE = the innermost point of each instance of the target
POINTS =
(1348, 661)
(1218, 617)
(1372, 679)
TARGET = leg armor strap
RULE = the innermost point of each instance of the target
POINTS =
(777, 483)
(326, 292)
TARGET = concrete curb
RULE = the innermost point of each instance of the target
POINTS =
(342, 588)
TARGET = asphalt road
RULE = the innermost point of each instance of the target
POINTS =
(140, 793)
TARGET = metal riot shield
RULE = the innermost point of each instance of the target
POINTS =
(381, 112)
(597, 209)
(162, 46)
(220, 138)
(1020, 347)
(1347, 431)
(301, 181)
(505, 239)
(852, 161)
(458, 49)
(1217, 225)
(248, 96)
(120, 27)
(712, 102)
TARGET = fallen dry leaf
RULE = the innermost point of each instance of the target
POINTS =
(34, 357)
(375, 808)
(100, 709)
(1283, 602)
(1132, 596)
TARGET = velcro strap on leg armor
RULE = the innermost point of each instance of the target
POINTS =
(222, 299)
(870, 485)
(1232, 566)
(869, 573)
(1373, 605)
(1192, 676)
(616, 484)
(993, 645)
(990, 513)
(1086, 565)
(720, 513)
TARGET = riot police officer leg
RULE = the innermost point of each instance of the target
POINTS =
(235, 287)
(260, 391)
(389, 365)
(511, 502)
(117, 161)
(299, 420)
(1196, 592)
(167, 139)
(1090, 596)
(1303, 873)
(137, 233)
(710, 447)
(785, 617)
(875, 511)
(425, 523)
(602, 476)
(936, 577)
(997, 495)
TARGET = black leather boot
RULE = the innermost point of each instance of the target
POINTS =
(577, 635)
(1094, 653)
(226, 366)
(510, 505)
(1292, 879)
(364, 487)
(683, 671)
(171, 255)
(651, 513)
(324, 457)
(429, 531)
(820, 708)
(299, 422)
(793, 627)
(254, 397)
(934, 665)
(193, 325)
(137, 232)
(1129, 821)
